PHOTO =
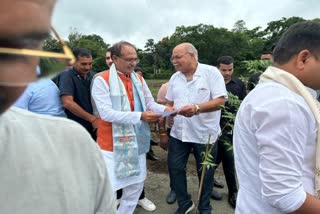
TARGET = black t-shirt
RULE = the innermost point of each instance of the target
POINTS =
(253, 81)
(71, 83)
(238, 88)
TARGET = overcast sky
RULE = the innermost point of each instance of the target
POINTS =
(136, 21)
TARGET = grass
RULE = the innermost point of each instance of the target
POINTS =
(154, 86)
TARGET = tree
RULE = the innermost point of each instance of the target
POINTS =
(211, 42)
(92, 42)
(276, 28)
(52, 44)
(150, 55)
(149, 47)
(239, 26)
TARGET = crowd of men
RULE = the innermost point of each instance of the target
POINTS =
(84, 137)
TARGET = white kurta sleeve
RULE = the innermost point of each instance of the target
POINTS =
(101, 95)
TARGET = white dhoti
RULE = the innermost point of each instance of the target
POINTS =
(131, 186)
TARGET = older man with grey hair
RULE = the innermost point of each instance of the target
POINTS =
(198, 91)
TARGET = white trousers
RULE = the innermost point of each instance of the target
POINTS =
(130, 197)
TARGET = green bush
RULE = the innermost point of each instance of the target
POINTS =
(164, 74)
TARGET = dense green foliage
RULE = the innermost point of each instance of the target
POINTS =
(240, 42)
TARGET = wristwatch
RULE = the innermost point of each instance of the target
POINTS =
(197, 110)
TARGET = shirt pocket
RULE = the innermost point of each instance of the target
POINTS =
(202, 94)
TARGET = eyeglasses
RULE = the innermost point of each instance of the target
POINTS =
(177, 57)
(51, 63)
(130, 60)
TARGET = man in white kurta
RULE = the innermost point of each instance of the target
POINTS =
(100, 93)
(125, 59)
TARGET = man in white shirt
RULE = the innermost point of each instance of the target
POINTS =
(275, 130)
(198, 90)
(48, 164)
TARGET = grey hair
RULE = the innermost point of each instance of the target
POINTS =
(193, 50)
(116, 48)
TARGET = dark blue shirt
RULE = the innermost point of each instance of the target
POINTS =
(71, 83)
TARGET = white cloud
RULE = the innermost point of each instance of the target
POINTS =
(138, 20)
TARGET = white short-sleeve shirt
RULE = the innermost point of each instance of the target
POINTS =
(207, 84)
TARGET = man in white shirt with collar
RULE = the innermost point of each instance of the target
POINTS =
(198, 90)
(275, 130)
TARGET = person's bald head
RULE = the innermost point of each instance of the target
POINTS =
(185, 57)
(188, 48)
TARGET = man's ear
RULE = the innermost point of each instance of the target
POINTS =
(302, 58)
(192, 55)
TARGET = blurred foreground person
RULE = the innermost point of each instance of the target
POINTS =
(48, 164)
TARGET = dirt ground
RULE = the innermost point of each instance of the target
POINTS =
(157, 186)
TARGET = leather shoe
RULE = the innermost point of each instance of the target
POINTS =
(217, 184)
(216, 195)
(152, 156)
(185, 210)
(232, 200)
(171, 198)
